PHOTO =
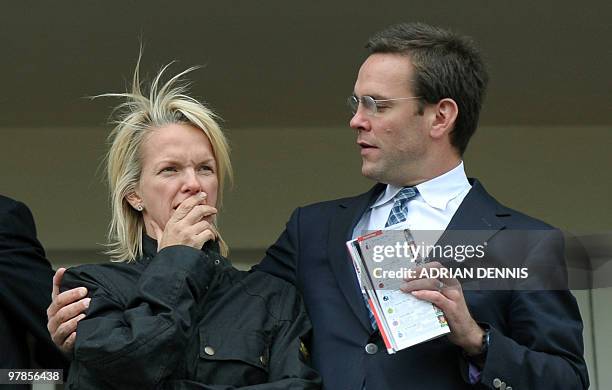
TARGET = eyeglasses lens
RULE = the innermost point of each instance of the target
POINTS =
(368, 103)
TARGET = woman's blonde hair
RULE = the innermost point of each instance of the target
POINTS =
(164, 104)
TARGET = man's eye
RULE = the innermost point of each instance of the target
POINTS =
(381, 107)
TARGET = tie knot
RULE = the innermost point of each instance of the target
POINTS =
(399, 211)
(406, 193)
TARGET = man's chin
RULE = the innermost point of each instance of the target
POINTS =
(370, 172)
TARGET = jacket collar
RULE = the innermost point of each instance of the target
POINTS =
(149, 247)
(479, 210)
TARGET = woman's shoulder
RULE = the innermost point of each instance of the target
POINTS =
(106, 278)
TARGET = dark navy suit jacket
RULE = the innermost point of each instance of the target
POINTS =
(535, 339)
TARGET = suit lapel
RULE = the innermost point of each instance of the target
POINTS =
(474, 223)
(341, 228)
(477, 211)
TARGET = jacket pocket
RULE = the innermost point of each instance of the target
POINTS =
(233, 357)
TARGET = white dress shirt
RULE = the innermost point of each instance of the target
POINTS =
(431, 209)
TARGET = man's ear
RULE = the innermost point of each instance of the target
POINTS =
(446, 112)
(134, 200)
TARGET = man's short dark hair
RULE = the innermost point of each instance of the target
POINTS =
(446, 65)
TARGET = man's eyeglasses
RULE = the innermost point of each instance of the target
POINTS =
(370, 104)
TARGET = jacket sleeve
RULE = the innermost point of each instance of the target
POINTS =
(25, 285)
(139, 343)
(289, 367)
(543, 347)
(281, 258)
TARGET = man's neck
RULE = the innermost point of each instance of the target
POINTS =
(432, 173)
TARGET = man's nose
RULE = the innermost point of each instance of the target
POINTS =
(360, 120)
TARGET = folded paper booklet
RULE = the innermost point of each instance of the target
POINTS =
(383, 259)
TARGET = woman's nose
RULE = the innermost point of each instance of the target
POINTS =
(191, 184)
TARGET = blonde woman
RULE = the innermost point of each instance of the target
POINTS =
(170, 311)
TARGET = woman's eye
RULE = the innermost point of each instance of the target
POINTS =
(168, 169)
(205, 168)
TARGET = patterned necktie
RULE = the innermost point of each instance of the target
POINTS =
(399, 212)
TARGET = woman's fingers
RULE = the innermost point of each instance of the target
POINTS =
(198, 213)
(187, 205)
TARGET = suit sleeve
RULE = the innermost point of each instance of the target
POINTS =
(281, 258)
(26, 282)
(139, 343)
(543, 347)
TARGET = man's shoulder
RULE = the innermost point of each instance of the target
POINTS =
(480, 199)
(7, 203)
(325, 204)
(519, 220)
(348, 201)
(15, 217)
(10, 206)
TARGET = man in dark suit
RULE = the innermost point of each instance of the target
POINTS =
(25, 293)
(415, 106)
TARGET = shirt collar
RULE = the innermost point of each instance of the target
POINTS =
(436, 192)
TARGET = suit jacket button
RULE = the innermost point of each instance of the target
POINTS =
(497, 383)
(209, 350)
(371, 348)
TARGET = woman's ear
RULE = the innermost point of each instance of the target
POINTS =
(135, 201)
